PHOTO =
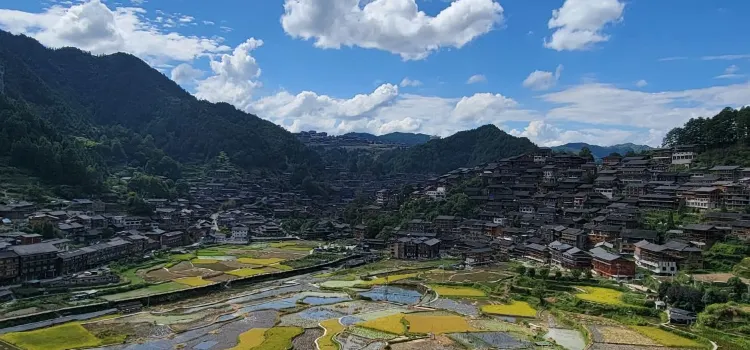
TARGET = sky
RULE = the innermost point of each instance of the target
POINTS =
(556, 71)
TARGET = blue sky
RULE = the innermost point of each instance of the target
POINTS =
(597, 71)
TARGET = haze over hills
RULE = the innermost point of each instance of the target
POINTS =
(602, 151)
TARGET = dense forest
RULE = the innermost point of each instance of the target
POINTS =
(725, 137)
(70, 116)
(404, 138)
(463, 149)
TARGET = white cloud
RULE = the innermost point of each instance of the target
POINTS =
(578, 24)
(208, 23)
(409, 82)
(476, 78)
(548, 135)
(94, 27)
(234, 77)
(543, 80)
(641, 83)
(726, 57)
(730, 73)
(398, 26)
(186, 19)
(605, 104)
(672, 58)
(185, 74)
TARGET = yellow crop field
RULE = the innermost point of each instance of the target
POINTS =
(332, 327)
(244, 272)
(278, 338)
(437, 324)
(391, 324)
(193, 281)
(667, 338)
(282, 244)
(601, 295)
(260, 261)
(516, 308)
(199, 261)
(251, 339)
(457, 291)
(62, 337)
(389, 279)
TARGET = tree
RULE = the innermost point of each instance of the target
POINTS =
(107, 232)
(587, 274)
(531, 272)
(737, 288)
(586, 153)
(521, 270)
(712, 296)
(538, 291)
(46, 229)
(558, 274)
(575, 274)
(544, 273)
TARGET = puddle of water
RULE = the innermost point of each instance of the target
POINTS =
(506, 318)
(318, 314)
(568, 338)
(394, 294)
(324, 300)
(350, 320)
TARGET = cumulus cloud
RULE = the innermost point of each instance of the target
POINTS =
(579, 24)
(476, 78)
(543, 80)
(234, 76)
(94, 27)
(641, 83)
(185, 74)
(409, 82)
(398, 27)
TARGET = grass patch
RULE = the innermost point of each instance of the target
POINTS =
(515, 308)
(389, 324)
(389, 279)
(282, 267)
(282, 244)
(150, 290)
(278, 338)
(601, 295)
(62, 337)
(251, 339)
(193, 281)
(199, 261)
(332, 327)
(260, 261)
(667, 338)
(245, 272)
(457, 291)
(437, 324)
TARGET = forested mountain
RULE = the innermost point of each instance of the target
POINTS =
(601, 151)
(404, 138)
(465, 148)
(117, 109)
(725, 136)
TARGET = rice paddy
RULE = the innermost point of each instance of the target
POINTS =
(199, 261)
(389, 324)
(437, 324)
(457, 291)
(193, 281)
(278, 338)
(601, 295)
(251, 339)
(62, 337)
(245, 272)
(259, 261)
(667, 338)
(332, 327)
(388, 279)
(515, 308)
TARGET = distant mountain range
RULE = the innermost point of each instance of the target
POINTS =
(601, 151)
(403, 138)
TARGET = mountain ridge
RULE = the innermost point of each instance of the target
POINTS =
(602, 151)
